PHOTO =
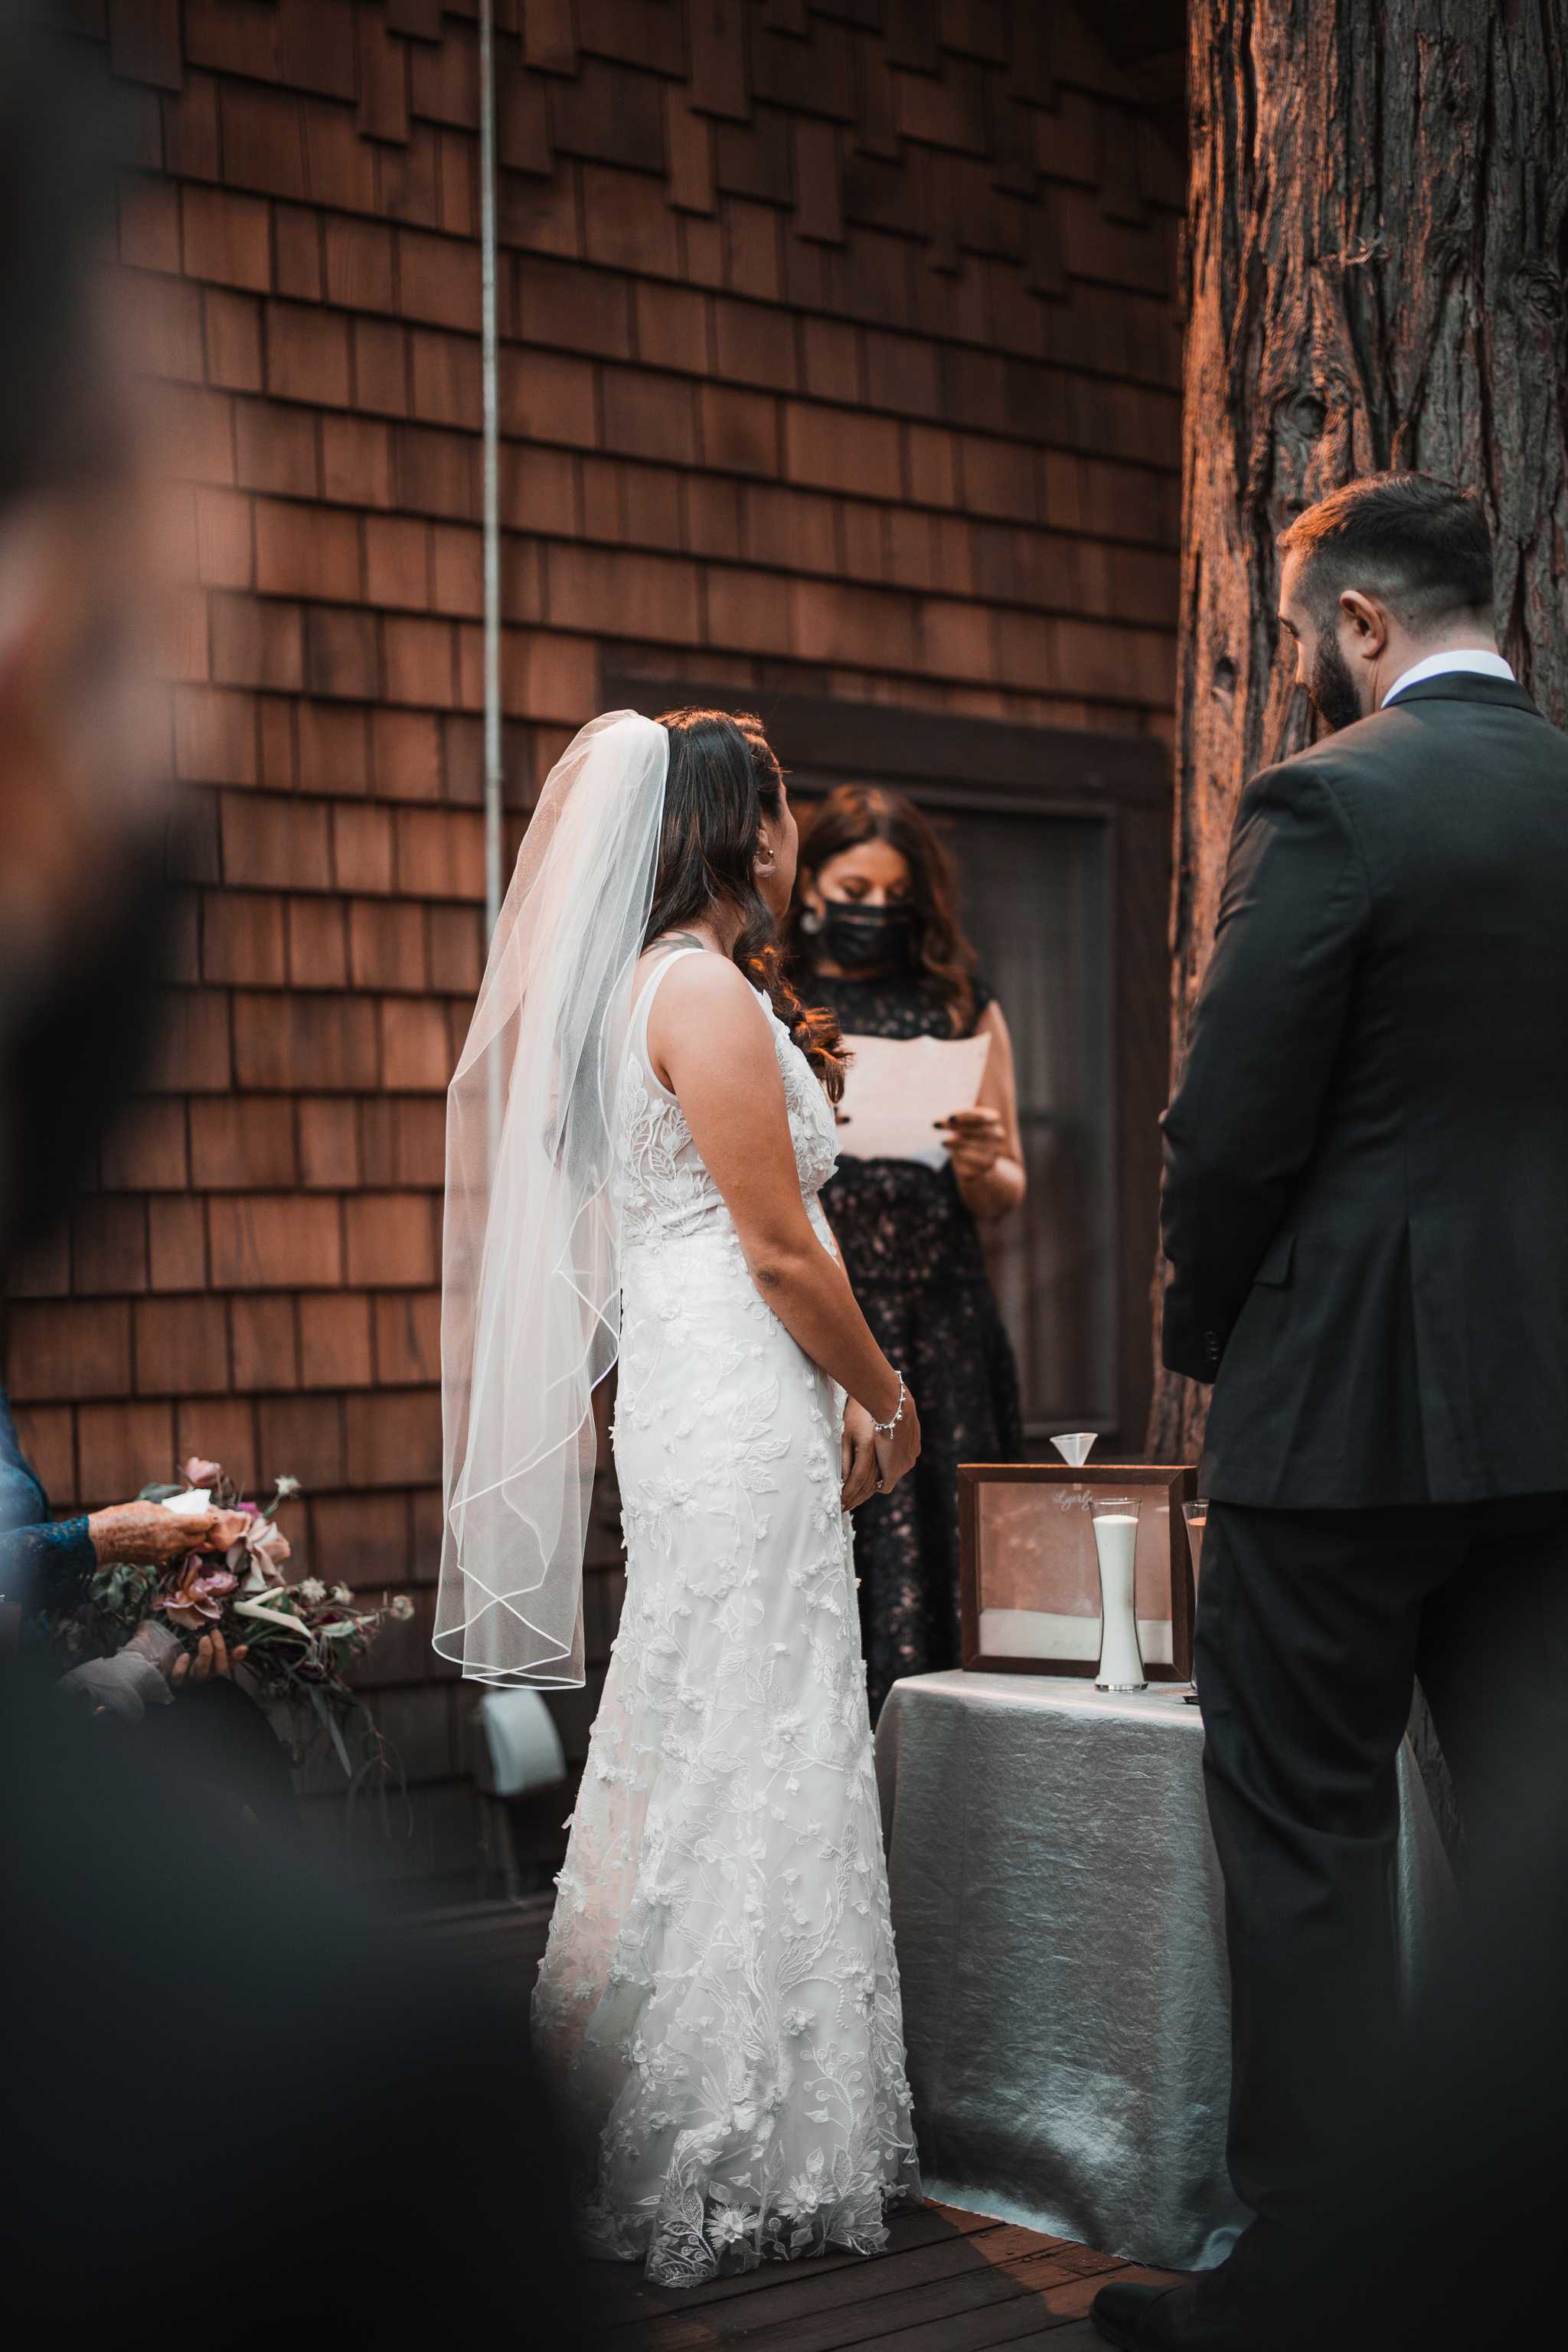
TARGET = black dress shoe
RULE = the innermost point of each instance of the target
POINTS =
(1149, 2319)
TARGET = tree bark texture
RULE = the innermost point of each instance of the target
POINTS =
(1377, 250)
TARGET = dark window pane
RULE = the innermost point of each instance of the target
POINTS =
(1035, 903)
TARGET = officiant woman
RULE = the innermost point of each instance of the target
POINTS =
(875, 935)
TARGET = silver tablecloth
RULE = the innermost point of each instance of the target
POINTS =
(1060, 1930)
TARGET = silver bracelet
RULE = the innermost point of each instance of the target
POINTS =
(886, 1428)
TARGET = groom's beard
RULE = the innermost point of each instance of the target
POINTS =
(1333, 688)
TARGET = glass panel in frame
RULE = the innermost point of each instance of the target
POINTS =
(1031, 1570)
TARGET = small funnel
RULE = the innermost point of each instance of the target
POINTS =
(1075, 1449)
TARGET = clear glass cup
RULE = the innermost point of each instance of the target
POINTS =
(1196, 1516)
(1121, 1664)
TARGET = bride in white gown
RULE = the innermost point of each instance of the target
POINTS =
(718, 2006)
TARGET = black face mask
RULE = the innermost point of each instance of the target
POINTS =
(867, 939)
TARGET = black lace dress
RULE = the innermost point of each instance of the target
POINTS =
(913, 1255)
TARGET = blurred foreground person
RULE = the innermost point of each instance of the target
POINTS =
(1367, 1159)
(234, 2094)
(232, 2098)
(82, 922)
(84, 916)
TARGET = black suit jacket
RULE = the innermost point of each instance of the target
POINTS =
(1365, 1209)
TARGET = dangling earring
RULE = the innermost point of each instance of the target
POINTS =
(811, 920)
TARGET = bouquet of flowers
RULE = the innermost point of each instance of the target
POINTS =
(299, 1637)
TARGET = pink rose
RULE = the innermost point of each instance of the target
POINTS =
(198, 1473)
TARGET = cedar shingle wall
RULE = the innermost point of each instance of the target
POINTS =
(841, 355)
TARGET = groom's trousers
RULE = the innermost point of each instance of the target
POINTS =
(1312, 1628)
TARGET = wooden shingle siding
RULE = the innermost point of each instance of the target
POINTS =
(840, 356)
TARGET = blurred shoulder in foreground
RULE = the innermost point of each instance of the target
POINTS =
(236, 2094)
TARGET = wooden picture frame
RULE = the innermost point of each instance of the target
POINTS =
(1032, 1557)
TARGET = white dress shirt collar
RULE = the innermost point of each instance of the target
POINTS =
(1480, 664)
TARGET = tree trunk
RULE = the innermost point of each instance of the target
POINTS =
(1377, 247)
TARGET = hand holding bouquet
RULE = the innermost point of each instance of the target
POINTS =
(297, 1637)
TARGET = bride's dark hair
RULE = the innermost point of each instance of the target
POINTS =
(723, 780)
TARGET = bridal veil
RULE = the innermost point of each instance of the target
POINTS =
(531, 1258)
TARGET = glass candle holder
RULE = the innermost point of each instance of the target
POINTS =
(1121, 1664)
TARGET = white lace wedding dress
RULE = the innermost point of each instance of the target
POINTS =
(718, 2005)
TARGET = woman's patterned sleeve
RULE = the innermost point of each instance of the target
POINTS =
(47, 1567)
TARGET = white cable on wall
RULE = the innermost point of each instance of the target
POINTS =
(494, 828)
(494, 794)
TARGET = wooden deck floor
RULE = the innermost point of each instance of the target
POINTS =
(948, 2282)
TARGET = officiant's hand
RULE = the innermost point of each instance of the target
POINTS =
(900, 1450)
(976, 1138)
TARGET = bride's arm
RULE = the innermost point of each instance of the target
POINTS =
(709, 1041)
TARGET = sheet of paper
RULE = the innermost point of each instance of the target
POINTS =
(898, 1087)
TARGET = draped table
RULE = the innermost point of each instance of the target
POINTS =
(1059, 1921)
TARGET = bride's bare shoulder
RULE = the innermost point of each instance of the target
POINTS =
(705, 998)
(700, 980)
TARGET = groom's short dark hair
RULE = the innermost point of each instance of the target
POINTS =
(1418, 543)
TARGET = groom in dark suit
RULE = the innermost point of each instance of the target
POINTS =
(1366, 1223)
